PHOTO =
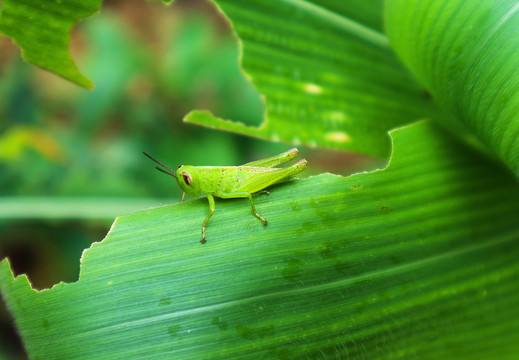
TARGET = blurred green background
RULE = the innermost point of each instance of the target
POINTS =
(71, 159)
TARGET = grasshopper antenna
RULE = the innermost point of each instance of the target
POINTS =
(170, 172)
(165, 172)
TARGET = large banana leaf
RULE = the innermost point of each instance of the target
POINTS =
(467, 55)
(417, 261)
(326, 71)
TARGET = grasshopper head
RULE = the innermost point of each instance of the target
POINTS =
(187, 178)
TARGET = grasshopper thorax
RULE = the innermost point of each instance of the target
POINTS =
(187, 178)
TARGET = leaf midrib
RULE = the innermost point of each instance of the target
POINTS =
(341, 22)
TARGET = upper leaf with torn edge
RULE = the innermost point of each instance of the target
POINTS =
(416, 261)
(42, 31)
(467, 54)
(327, 74)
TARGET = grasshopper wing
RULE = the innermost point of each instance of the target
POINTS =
(263, 180)
(274, 160)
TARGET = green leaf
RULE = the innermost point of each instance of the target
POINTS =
(466, 53)
(326, 71)
(417, 261)
(60, 208)
(42, 31)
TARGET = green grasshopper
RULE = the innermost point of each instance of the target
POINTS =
(233, 181)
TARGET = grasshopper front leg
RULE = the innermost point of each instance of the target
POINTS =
(246, 195)
(212, 209)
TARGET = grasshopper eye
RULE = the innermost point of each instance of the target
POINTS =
(187, 178)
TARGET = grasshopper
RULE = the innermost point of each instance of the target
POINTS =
(229, 182)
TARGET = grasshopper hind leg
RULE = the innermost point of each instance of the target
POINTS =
(249, 196)
(212, 209)
(265, 222)
(262, 192)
